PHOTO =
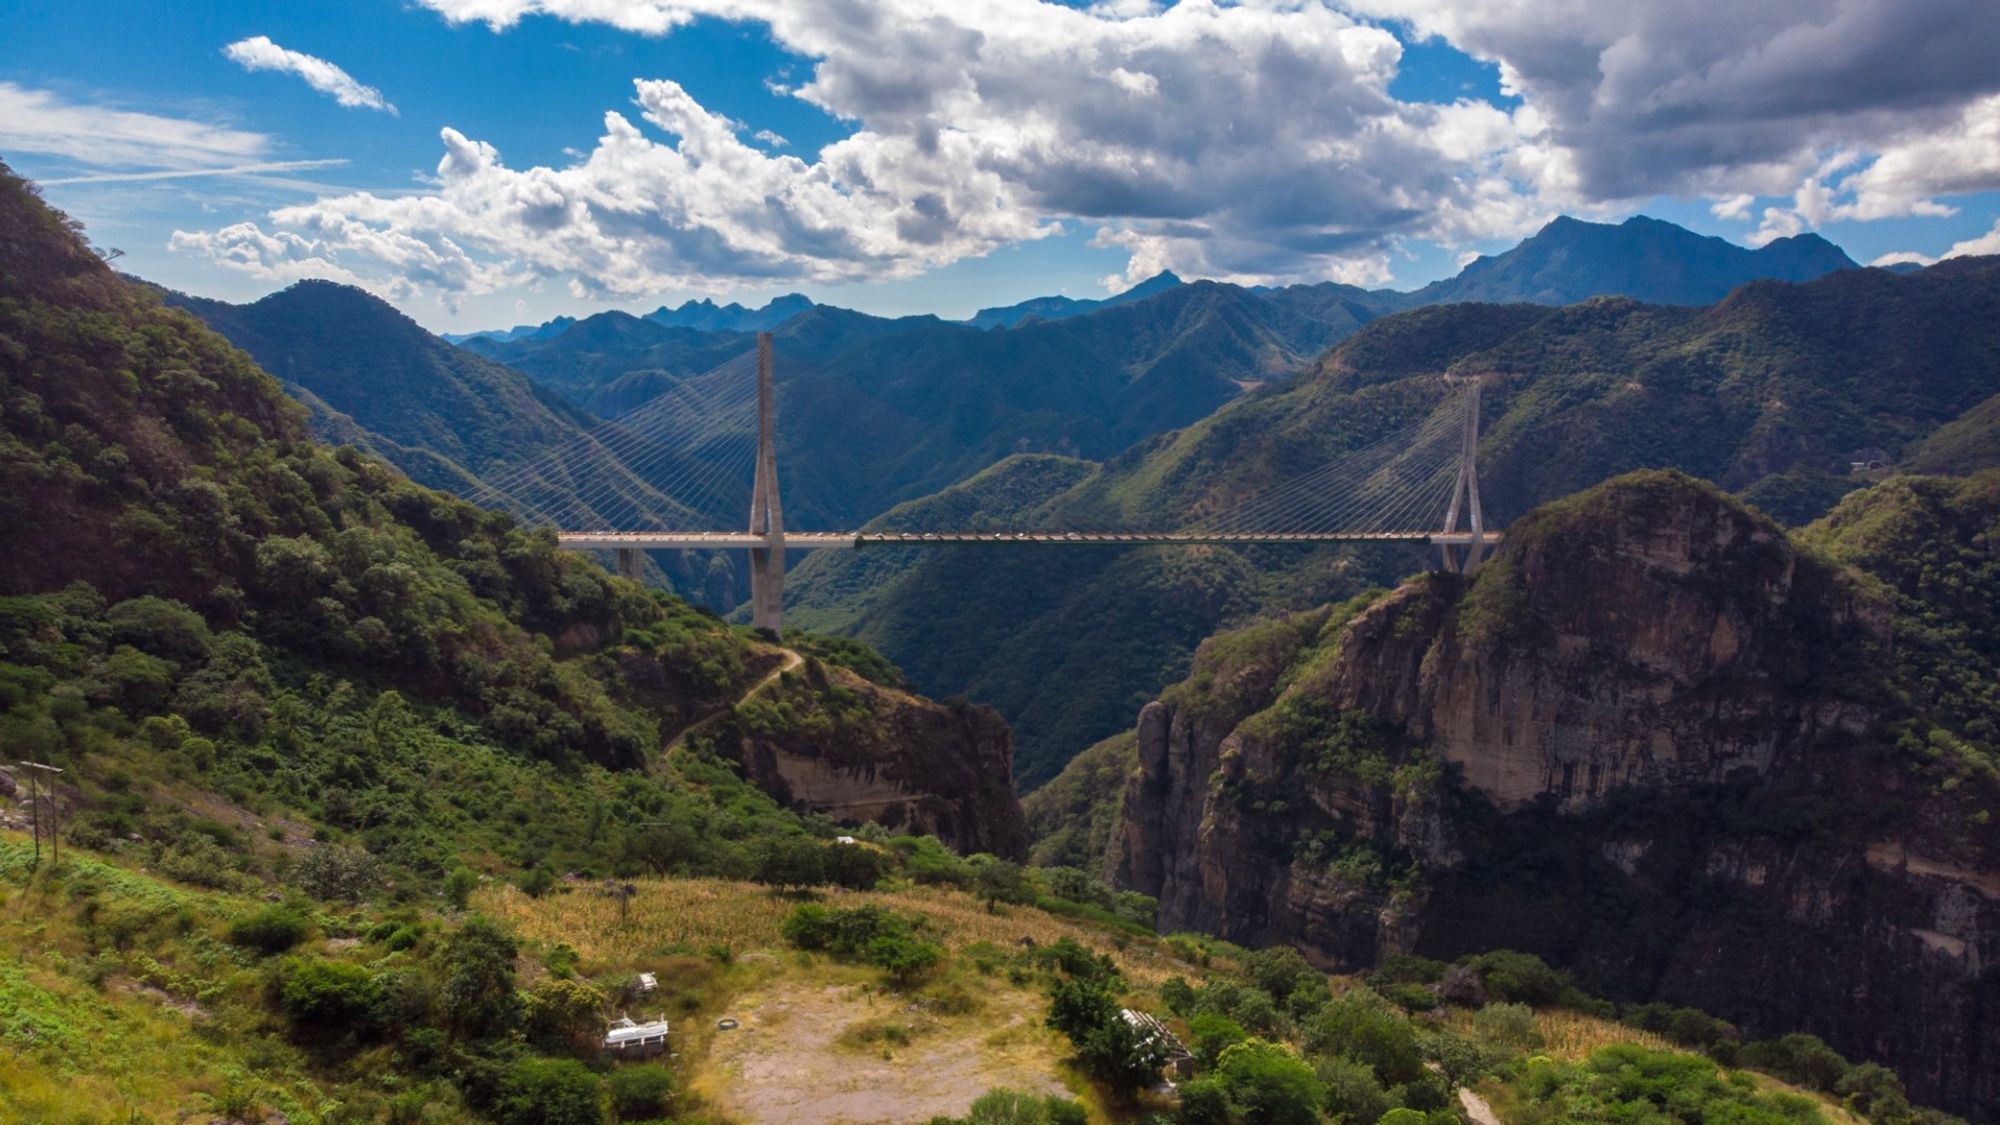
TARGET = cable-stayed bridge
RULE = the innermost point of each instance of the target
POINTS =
(674, 473)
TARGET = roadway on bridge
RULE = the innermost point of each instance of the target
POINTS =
(848, 540)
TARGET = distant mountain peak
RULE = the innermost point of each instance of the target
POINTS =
(1571, 260)
(1060, 307)
(707, 316)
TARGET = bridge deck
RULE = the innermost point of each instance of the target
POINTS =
(839, 540)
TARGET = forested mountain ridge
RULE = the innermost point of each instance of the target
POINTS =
(874, 411)
(1655, 740)
(201, 607)
(1770, 392)
(359, 356)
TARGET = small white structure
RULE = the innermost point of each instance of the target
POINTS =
(636, 1040)
(1180, 1060)
(843, 839)
(648, 984)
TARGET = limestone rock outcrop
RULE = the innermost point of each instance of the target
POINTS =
(1649, 741)
(883, 755)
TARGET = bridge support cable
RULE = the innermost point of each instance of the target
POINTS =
(1333, 491)
(668, 458)
(617, 451)
(679, 405)
(1394, 484)
(668, 454)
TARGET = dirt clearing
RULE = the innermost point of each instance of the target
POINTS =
(828, 1054)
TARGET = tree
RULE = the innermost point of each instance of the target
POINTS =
(1109, 1047)
(1368, 1032)
(1001, 880)
(856, 867)
(336, 873)
(1214, 1034)
(790, 863)
(550, 1092)
(1353, 1093)
(1269, 1084)
(563, 1015)
(478, 993)
(1800, 1058)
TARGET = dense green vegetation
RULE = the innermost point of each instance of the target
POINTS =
(1930, 543)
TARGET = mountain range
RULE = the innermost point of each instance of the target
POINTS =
(328, 735)
(1567, 261)
(1770, 392)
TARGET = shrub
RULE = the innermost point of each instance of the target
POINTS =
(1687, 1026)
(1406, 968)
(1269, 1084)
(270, 929)
(1510, 1025)
(328, 995)
(1204, 1101)
(458, 887)
(549, 1092)
(1018, 1107)
(906, 959)
(1410, 997)
(639, 1093)
(871, 934)
(1070, 957)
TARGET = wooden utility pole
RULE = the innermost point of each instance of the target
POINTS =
(55, 815)
(767, 513)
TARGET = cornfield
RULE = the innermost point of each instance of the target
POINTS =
(679, 914)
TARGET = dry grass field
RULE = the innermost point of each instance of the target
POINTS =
(698, 913)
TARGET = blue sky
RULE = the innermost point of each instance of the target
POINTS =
(1217, 167)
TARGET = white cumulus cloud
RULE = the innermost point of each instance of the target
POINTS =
(259, 53)
(1253, 141)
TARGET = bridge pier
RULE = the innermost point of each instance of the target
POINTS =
(1465, 493)
(630, 563)
(767, 513)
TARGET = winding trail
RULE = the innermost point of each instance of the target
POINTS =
(1477, 1108)
(792, 660)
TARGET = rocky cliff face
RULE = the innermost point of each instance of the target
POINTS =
(1652, 740)
(825, 740)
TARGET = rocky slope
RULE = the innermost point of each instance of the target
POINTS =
(1655, 740)
(824, 740)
